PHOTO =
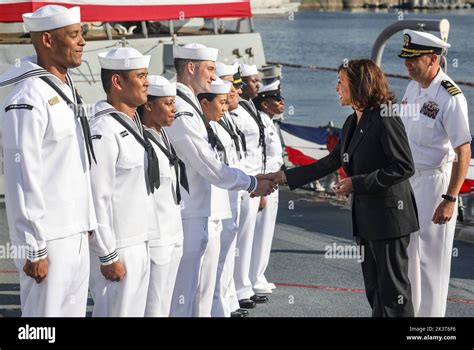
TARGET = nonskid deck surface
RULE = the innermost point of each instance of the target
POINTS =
(310, 281)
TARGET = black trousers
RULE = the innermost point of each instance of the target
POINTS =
(385, 271)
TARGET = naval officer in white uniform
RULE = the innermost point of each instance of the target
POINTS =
(269, 103)
(47, 155)
(248, 120)
(123, 182)
(194, 142)
(167, 248)
(434, 112)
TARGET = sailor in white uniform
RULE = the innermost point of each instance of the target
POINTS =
(47, 155)
(248, 120)
(123, 182)
(194, 141)
(434, 112)
(225, 299)
(269, 103)
(214, 105)
(166, 248)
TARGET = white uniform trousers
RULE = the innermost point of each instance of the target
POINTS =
(63, 293)
(164, 263)
(233, 299)
(222, 306)
(126, 298)
(430, 249)
(247, 221)
(196, 279)
(262, 242)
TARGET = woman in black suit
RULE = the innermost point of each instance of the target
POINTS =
(375, 154)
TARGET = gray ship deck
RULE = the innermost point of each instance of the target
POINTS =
(308, 283)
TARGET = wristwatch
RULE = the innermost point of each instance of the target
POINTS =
(449, 198)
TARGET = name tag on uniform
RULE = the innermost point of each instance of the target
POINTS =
(430, 109)
(53, 101)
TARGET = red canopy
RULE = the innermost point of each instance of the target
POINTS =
(133, 10)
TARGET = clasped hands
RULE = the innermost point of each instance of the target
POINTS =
(269, 182)
(266, 184)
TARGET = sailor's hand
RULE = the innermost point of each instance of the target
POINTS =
(38, 270)
(344, 186)
(444, 212)
(114, 272)
(264, 187)
(262, 204)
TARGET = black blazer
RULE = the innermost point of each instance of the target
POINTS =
(379, 160)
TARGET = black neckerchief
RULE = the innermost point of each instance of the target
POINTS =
(178, 164)
(213, 139)
(153, 169)
(79, 112)
(261, 129)
(232, 133)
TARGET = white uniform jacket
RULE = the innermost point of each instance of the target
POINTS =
(232, 157)
(436, 121)
(124, 206)
(220, 205)
(167, 207)
(48, 193)
(253, 164)
(273, 144)
(189, 137)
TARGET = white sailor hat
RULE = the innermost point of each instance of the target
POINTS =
(220, 87)
(123, 58)
(417, 43)
(160, 86)
(51, 17)
(195, 51)
(223, 69)
(270, 90)
(248, 70)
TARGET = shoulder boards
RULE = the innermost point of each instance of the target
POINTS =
(453, 90)
(96, 137)
(183, 113)
(234, 114)
(19, 106)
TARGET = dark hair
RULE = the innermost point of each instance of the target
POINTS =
(106, 77)
(180, 64)
(207, 96)
(141, 108)
(367, 84)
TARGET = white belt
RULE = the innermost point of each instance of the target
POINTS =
(433, 170)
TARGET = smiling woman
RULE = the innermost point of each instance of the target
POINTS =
(375, 154)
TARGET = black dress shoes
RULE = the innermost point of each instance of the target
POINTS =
(246, 303)
(239, 313)
(259, 298)
(243, 311)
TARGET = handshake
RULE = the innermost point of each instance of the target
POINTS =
(267, 183)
